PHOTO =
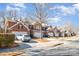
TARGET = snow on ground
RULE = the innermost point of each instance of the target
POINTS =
(69, 48)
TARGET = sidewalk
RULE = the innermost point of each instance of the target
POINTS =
(47, 43)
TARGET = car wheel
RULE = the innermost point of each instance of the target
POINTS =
(21, 40)
(27, 41)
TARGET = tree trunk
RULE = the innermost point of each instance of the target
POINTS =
(41, 32)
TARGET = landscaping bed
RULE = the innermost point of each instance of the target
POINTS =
(11, 53)
(6, 40)
(41, 40)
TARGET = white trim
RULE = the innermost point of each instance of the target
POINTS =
(17, 24)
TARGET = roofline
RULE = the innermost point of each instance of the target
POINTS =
(18, 23)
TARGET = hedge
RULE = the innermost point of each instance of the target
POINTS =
(6, 39)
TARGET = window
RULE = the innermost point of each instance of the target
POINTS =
(20, 27)
(37, 27)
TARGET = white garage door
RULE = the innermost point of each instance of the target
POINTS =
(50, 34)
(19, 33)
(37, 34)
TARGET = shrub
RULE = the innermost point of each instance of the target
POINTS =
(6, 39)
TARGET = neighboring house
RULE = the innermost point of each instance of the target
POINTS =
(38, 29)
(50, 31)
(35, 29)
(36, 25)
(56, 32)
(17, 27)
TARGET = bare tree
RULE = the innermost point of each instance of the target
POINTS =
(68, 26)
(2, 22)
(11, 14)
(4, 15)
(40, 14)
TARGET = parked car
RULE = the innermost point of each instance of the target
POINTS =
(73, 34)
(45, 35)
(23, 37)
(50, 34)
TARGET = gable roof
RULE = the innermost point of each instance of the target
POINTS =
(17, 24)
(10, 23)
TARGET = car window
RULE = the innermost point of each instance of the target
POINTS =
(20, 35)
(26, 35)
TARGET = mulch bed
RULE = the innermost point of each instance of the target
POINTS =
(41, 40)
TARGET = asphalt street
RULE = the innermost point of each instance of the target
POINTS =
(69, 48)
